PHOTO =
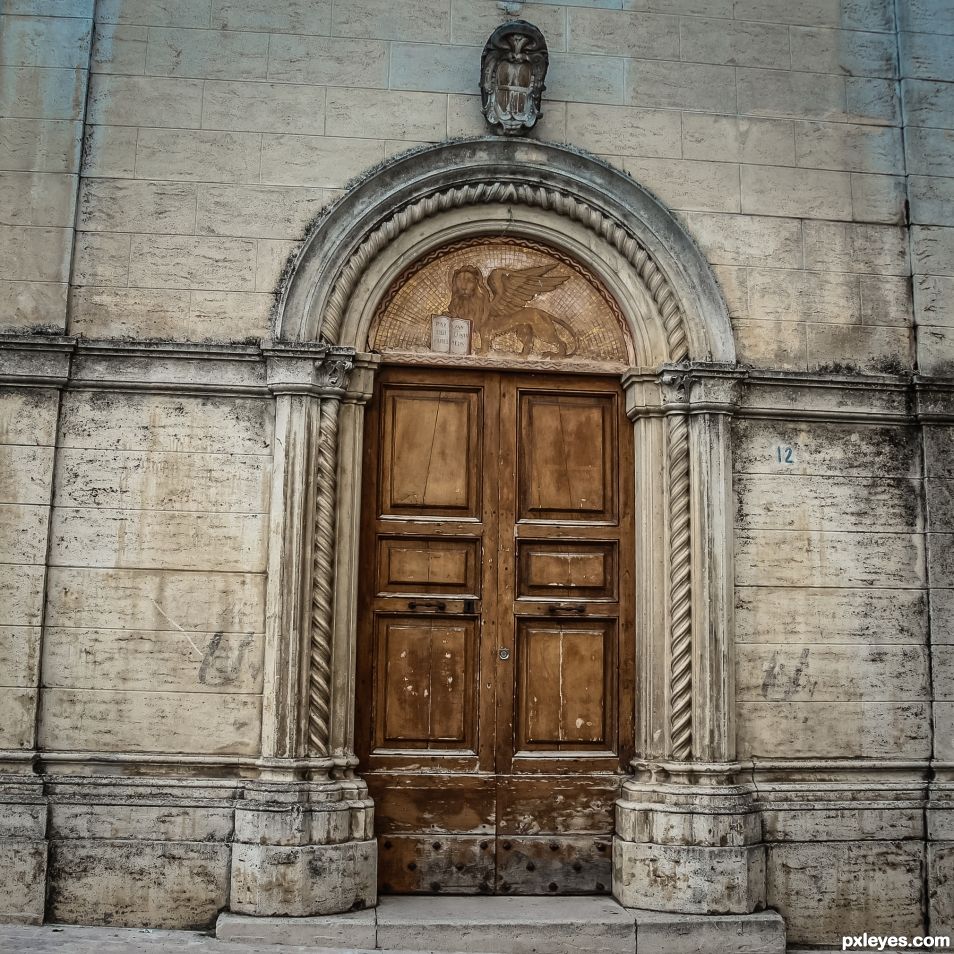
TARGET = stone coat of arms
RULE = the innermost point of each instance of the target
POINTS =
(513, 68)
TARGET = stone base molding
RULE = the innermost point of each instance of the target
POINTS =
(23, 849)
(688, 841)
(940, 857)
(303, 850)
(148, 851)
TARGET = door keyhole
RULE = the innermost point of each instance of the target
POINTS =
(503, 654)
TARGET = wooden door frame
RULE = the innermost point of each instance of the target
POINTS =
(388, 776)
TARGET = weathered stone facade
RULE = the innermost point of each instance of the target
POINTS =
(203, 203)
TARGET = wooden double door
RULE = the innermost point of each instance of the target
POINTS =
(495, 674)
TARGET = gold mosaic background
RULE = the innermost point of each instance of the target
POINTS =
(403, 324)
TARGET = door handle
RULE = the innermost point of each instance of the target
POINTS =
(438, 605)
(557, 608)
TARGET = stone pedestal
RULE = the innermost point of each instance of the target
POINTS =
(23, 850)
(940, 858)
(304, 849)
(688, 847)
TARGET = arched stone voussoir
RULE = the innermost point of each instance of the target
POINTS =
(566, 184)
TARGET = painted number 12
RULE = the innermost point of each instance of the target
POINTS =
(785, 455)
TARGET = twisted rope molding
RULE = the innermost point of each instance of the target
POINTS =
(479, 193)
(680, 589)
(322, 594)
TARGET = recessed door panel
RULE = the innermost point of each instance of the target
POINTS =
(562, 688)
(431, 462)
(425, 565)
(561, 569)
(425, 682)
(566, 457)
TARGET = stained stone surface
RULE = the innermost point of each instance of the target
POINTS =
(51, 939)
(160, 163)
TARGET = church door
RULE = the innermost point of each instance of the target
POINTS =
(495, 700)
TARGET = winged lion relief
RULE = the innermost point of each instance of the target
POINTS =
(500, 300)
(500, 304)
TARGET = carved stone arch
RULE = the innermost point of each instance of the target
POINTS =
(680, 395)
(514, 174)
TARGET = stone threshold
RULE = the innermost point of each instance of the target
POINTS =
(515, 925)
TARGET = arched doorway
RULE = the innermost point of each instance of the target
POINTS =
(684, 804)
(495, 633)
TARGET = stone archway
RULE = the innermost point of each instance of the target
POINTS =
(313, 815)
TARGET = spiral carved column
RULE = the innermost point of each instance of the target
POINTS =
(322, 596)
(680, 587)
(688, 827)
(303, 842)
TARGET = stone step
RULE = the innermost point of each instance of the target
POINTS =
(507, 925)
(512, 925)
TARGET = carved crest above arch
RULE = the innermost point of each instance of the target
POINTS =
(500, 300)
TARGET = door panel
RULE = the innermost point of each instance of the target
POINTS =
(405, 803)
(555, 864)
(568, 804)
(432, 448)
(566, 457)
(495, 638)
(558, 568)
(564, 686)
(420, 565)
(437, 864)
(426, 683)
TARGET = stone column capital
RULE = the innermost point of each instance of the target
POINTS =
(685, 388)
(361, 379)
(314, 368)
(700, 388)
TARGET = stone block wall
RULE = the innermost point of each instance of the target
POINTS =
(831, 610)
(44, 69)
(927, 86)
(939, 481)
(157, 169)
(155, 601)
(218, 129)
(833, 668)
(926, 39)
(27, 448)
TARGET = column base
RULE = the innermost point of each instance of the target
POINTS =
(270, 880)
(690, 845)
(302, 850)
(687, 879)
